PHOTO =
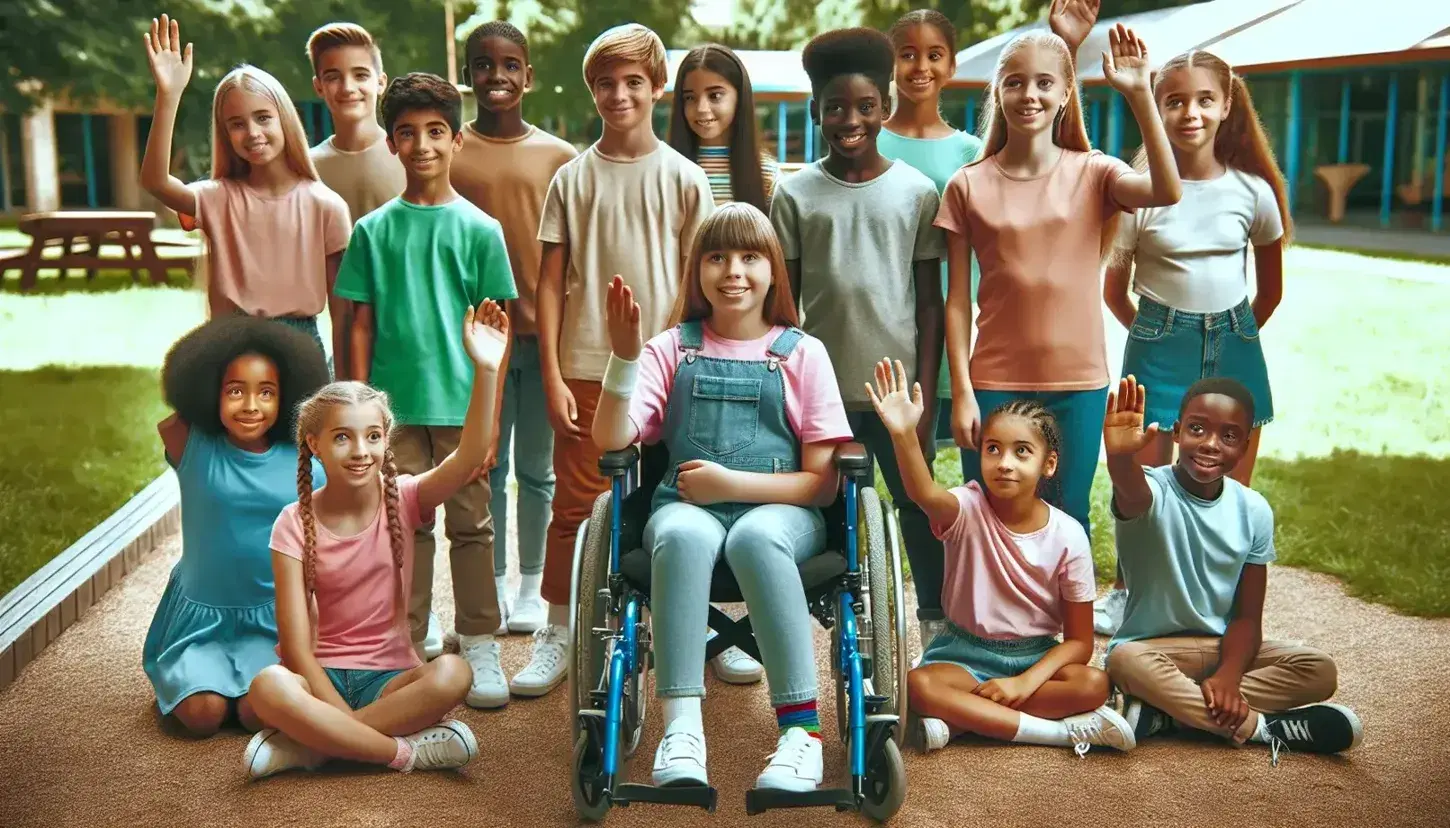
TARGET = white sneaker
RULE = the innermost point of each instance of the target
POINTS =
(505, 607)
(272, 751)
(448, 744)
(547, 665)
(929, 630)
(935, 734)
(733, 666)
(530, 613)
(490, 688)
(796, 764)
(432, 645)
(1108, 612)
(1101, 728)
(680, 758)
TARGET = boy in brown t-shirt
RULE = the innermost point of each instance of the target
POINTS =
(504, 168)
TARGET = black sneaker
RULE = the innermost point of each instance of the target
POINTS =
(1318, 728)
(1147, 720)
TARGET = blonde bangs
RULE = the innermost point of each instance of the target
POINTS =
(227, 164)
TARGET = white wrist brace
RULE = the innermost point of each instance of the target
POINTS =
(620, 376)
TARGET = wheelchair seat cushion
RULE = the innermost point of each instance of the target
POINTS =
(816, 572)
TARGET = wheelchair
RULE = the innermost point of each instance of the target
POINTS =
(856, 594)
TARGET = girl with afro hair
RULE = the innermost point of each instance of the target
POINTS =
(234, 384)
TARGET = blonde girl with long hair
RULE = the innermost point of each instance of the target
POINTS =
(1188, 263)
(1037, 210)
(275, 232)
(351, 684)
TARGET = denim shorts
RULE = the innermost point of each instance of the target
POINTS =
(1169, 350)
(360, 688)
(984, 658)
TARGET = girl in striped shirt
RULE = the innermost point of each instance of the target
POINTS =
(711, 86)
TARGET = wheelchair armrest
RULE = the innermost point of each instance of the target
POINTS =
(618, 463)
(853, 459)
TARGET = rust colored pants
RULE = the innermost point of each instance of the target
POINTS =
(577, 483)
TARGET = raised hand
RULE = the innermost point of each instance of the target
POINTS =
(1123, 431)
(170, 64)
(1071, 20)
(1126, 67)
(622, 316)
(486, 335)
(900, 410)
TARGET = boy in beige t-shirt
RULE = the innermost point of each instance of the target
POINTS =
(628, 205)
(504, 168)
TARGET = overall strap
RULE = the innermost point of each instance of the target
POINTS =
(692, 338)
(781, 347)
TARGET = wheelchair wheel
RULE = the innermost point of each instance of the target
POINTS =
(884, 603)
(885, 787)
(589, 800)
(589, 610)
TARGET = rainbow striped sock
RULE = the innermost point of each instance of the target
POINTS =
(801, 714)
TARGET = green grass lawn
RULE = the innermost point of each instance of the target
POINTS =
(78, 444)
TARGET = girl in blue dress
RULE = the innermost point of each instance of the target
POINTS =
(234, 384)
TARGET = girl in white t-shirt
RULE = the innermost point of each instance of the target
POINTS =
(1188, 262)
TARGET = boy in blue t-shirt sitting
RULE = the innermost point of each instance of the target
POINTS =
(1194, 546)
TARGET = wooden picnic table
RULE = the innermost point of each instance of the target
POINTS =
(89, 229)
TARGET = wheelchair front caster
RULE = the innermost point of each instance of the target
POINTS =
(884, 788)
(591, 801)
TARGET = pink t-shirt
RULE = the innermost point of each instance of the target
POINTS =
(999, 584)
(812, 401)
(358, 624)
(1040, 244)
(269, 253)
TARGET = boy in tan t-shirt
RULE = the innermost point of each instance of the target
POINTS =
(628, 205)
(505, 167)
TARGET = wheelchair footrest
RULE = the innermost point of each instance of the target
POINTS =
(760, 800)
(700, 796)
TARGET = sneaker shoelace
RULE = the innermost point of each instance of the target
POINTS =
(789, 752)
(735, 657)
(548, 650)
(1083, 733)
(681, 743)
(433, 744)
(484, 659)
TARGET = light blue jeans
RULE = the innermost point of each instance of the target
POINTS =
(763, 548)
(523, 426)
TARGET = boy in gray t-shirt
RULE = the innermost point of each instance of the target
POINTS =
(864, 261)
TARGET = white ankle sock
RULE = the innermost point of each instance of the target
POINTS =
(558, 615)
(686, 707)
(529, 588)
(501, 587)
(1034, 731)
(1261, 730)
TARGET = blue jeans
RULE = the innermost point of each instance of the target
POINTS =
(523, 426)
(1080, 420)
(763, 548)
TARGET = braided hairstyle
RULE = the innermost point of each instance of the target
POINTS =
(311, 418)
(1048, 488)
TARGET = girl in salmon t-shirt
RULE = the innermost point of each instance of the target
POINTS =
(1038, 210)
(351, 685)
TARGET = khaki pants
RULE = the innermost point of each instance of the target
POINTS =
(1164, 672)
(469, 527)
(577, 483)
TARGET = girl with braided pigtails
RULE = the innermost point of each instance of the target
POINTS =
(351, 685)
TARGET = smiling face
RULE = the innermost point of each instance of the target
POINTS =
(850, 111)
(425, 143)
(1212, 435)
(349, 82)
(735, 281)
(624, 95)
(924, 63)
(1032, 89)
(1015, 457)
(709, 101)
(252, 126)
(251, 398)
(351, 444)
(500, 73)
(1193, 104)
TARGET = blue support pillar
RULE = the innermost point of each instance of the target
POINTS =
(1115, 125)
(809, 136)
(1387, 175)
(1437, 207)
(1095, 122)
(1344, 121)
(971, 126)
(781, 125)
(1291, 154)
(327, 127)
(90, 151)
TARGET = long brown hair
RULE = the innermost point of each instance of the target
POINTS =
(747, 183)
(1241, 142)
(737, 226)
(311, 417)
(1069, 131)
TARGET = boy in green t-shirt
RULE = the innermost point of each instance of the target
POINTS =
(413, 267)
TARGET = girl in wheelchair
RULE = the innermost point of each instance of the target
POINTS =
(1019, 571)
(748, 409)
